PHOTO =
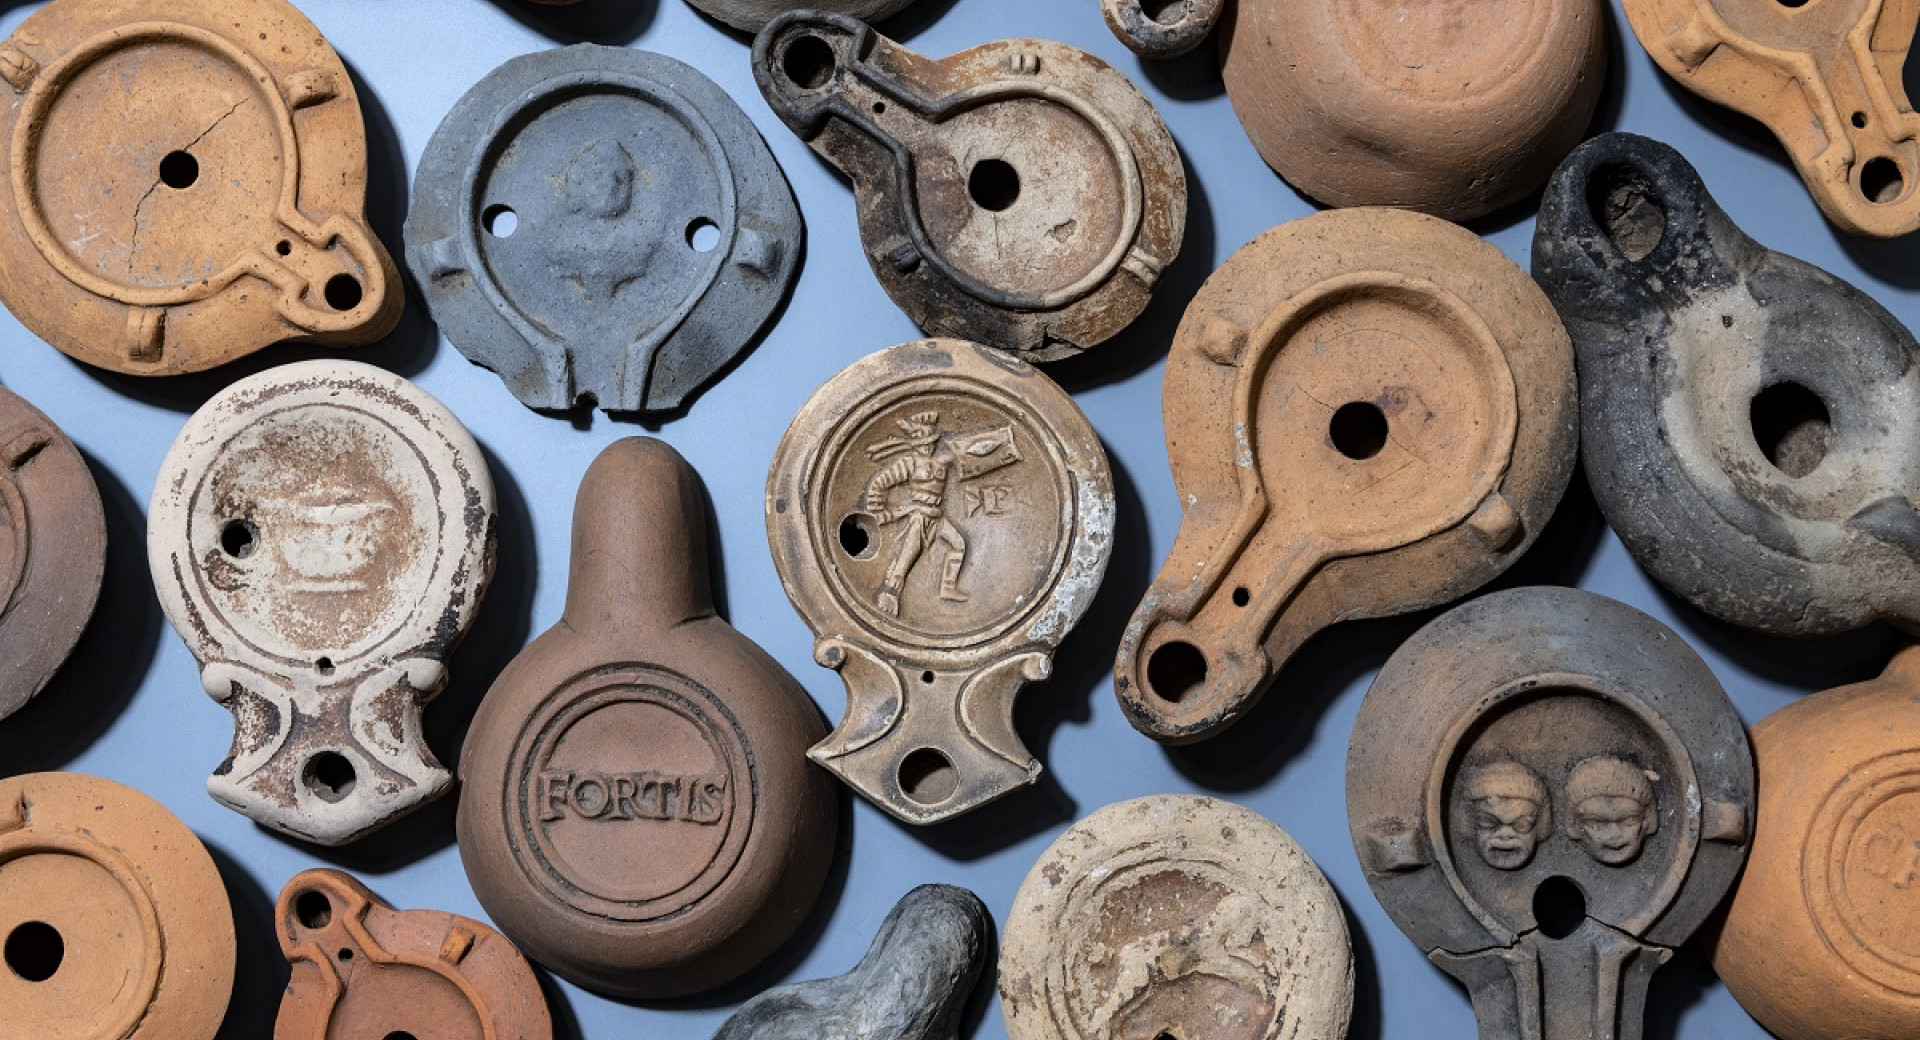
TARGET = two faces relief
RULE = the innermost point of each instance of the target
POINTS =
(1608, 809)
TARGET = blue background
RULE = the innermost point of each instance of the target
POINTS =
(129, 705)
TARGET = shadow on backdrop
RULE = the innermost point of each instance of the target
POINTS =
(1806, 665)
(1252, 753)
(111, 661)
(615, 23)
(566, 1025)
(498, 632)
(1145, 342)
(1676, 988)
(1193, 76)
(260, 970)
(1366, 1023)
(1082, 667)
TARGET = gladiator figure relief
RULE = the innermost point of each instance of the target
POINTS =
(926, 462)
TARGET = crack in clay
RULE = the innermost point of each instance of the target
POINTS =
(133, 246)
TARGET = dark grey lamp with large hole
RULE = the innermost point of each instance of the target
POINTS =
(1746, 418)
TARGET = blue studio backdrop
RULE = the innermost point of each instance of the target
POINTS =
(129, 705)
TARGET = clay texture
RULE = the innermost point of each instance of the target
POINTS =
(363, 969)
(1176, 916)
(601, 225)
(189, 182)
(1749, 422)
(941, 515)
(1368, 412)
(1456, 110)
(53, 549)
(913, 983)
(1023, 194)
(1452, 109)
(321, 535)
(753, 15)
(1821, 940)
(636, 810)
(1825, 78)
(113, 920)
(1549, 791)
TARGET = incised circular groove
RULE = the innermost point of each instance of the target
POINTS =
(534, 807)
(39, 99)
(838, 449)
(1850, 846)
(1517, 690)
(528, 108)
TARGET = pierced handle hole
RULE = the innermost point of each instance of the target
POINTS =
(343, 292)
(1175, 670)
(808, 62)
(1881, 181)
(1165, 12)
(312, 909)
(1628, 210)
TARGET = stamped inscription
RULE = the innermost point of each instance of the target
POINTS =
(635, 793)
(1863, 871)
(633, 796)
